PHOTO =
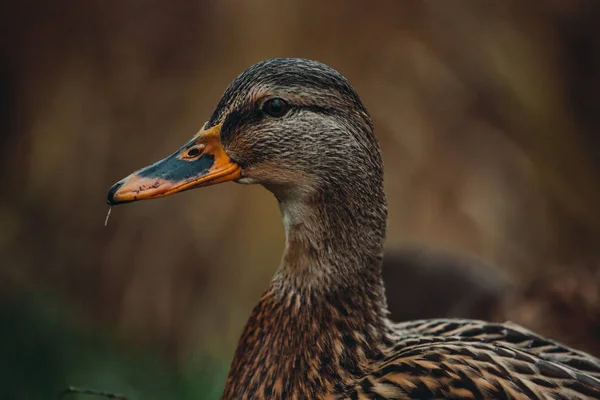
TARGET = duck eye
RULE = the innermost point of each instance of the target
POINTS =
(276, 107)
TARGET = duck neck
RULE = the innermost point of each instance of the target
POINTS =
(332, 244)
(325, 311)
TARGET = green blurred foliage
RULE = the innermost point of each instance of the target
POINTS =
(43, 352)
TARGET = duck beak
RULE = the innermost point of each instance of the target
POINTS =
(200, 162)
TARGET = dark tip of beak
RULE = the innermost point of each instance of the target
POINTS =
(111, 193)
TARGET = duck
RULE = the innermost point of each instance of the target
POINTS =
(321, 329)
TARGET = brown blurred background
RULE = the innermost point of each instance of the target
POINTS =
(487, 113)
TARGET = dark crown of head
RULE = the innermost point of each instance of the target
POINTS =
(287, 73)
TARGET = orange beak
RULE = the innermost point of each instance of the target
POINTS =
(200, 162)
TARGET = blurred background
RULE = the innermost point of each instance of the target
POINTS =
(487, 113)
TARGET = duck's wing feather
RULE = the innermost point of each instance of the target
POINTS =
(468, 359)
(458, 368)
(507, 334)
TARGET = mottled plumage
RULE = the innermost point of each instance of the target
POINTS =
(321, 329)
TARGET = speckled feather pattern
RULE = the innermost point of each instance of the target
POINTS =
(321, 330)
(466, 359)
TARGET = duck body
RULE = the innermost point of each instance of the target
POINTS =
(321, 329)
(425, 359)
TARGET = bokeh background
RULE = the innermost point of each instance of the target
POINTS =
(487, 113)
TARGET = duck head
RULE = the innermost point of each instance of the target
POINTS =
(293, 125)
